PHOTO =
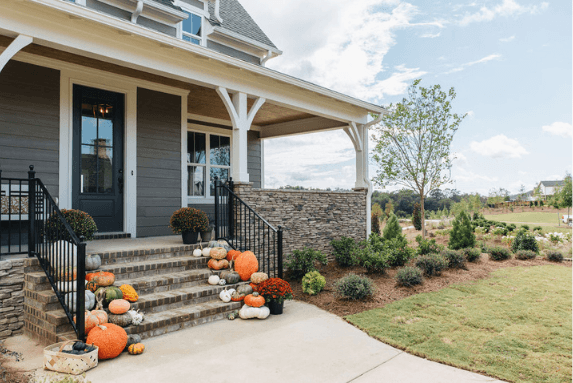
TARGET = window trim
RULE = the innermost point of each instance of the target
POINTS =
(207, 199)
(198, 12)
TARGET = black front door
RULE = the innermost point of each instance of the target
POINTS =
(98, 156)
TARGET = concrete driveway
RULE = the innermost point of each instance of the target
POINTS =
(305, 344)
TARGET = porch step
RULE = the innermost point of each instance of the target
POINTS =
(111, 235)
(140, 255)
(136, 270)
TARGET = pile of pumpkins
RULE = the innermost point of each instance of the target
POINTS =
(243, 266)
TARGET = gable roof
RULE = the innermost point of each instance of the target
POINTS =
(551, 183)
(236, 19)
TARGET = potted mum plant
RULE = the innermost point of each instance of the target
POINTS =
(189, 222)
(275, 291)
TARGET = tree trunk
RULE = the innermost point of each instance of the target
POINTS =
(423, 216)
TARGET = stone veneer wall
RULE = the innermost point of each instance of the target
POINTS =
(11, 297)
(309, 218)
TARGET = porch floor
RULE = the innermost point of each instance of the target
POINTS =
(130, 244)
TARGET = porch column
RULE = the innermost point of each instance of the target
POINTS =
(15, 46)
(241, 118)
(356, 134)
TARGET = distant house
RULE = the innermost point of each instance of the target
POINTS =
(548, 188)
(527, 196)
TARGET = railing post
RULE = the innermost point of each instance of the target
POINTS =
(31, 211)
(280, 251)
(231, 229)
(216, 207)
(81, 290)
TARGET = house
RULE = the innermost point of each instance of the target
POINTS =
(129, 109)
(549, 188)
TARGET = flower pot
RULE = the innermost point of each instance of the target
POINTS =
(206, 236)
(190, 237)
(276, 307)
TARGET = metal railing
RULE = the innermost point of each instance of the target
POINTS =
(50, 239)
(244, 229)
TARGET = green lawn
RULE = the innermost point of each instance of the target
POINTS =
(529, 217)
(515, 325)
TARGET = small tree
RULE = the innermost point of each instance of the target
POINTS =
(462, 234)
(417, 217)
(393, 228)
(375, 219)
(413, 141)
(388, 209)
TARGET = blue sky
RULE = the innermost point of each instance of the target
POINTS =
(508, 60)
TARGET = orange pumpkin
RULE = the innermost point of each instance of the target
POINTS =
(91, 286)
(89, 276)
(136, 349)
(91, 321)
(101, 316)
(67, 274)
(232, 254)
(246, 264)
(129, 293)
(119, 306)
(254, 300)
(111, 340)
(218, 264)
(103, 278)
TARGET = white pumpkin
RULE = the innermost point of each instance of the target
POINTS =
(206, 251)
(248, 312)
(225, 296)
(136, 317)
(197, 252)
(222, 282)
(214, 279)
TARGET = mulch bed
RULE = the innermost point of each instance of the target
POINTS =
(387, 291)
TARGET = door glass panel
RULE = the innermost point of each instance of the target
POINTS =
(223, 175)
(105, 170)
(88, 176)
(89, 130)
(196, 178)
(105, 132)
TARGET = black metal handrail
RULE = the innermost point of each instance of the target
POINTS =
(244, 229)
(52, 241)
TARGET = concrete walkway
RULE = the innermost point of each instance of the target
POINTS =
(305, 344)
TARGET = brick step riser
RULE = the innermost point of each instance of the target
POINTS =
(119, 277)
(121, 260)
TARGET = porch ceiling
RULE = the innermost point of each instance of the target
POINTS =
(202, 101)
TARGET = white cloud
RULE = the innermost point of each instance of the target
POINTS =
(563, 129)
(499, 146)
(340, 45)
(459, 158)
(507, 39)
(485, 59)
(471, 113)
(431, 35)
(505, 9)
(461, 174)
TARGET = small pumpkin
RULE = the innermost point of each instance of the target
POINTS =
(257, 278)
(218, 253)
(232, 255)
(254, 300)
(90, 300)
(101, 316)
(89, 276)
(225, 295)
(91, 286)
(206, 251)
(218, 264)
(213, 279)
(237, 297)
(136, 349)
(222, 282)
(245, 289)
(129, 293)
(230, 275)
(104, 278)
(90, 321)
(246, 264)
(67, 274)
(213, 244)
(119, 306)
(93, 261)
(109, 338)
(111, 293)
(122, 320)
(70, 299)
(197, 252)
(248, 312)
(136, 317)
(132, 339)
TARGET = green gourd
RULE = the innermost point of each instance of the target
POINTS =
(231, 276)
(111, 293)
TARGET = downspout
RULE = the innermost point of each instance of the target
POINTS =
(270, 54)
(365, 173)
(137, 11)
(217, 14)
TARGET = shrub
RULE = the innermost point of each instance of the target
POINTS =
(538, 228)
(525, 254)
(525, 227)
(427, 246)
(393, 228)
(462, 234)
(524, 241)
(189, 219)
(471, 254)
(313, 283)
(375, 222)
(431, 264)
(375, 241)
(397, 252)
(355, 287)
(417, 217)
(540, 203)
(81, 223)
(409, 276)
(373, 261)
(302, 261)
(344, 251)
(454, 258)
(499, 253)
(554, 256)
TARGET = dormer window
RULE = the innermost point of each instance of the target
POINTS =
(191, 28)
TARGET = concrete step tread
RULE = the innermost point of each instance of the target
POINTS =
(167, 279)
(153, 264)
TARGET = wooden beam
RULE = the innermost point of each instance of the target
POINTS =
(306, 125)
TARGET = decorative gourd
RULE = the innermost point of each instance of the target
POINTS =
(222, 282)
(218, 253)
(91, 286)
(257, 278)
(91, 321)
(232, 255)
(213, 244)
(248, 312)
(103, 278)
(245, 289)
(197, 252)
(132, 339)
(254, 300)
(90, 300)
(246, 264)
(136, 349)
(231, 276)
(122, 320)
(225, 295)
(218, 264)
(136, 317)
(101, 315)
(206, 251)
(129, 293)
(89, 276)
(237, 297)
(110, 339)
(119, 306)
(93, 261)
(70, 299)
(213, 279)
(111, 293)
(100, 298)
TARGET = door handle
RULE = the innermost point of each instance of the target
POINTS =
(120, 181)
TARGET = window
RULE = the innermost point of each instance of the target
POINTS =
(207, 155)
(191, 28)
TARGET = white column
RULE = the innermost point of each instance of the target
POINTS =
(241, 118)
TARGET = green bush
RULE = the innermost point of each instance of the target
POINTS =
(471, 254)
(462, 234)
(511, 227)
(392, 228)
(499, 253)
(525, 254)
(431, 264)
(302, 261)
(81, 223)
(524, 240)
(344, 251)
(375, 222)
(427, 246)
(455, 259)
(398, 252)
(355, 287)
(538, 229)
(417, 217)
(373, 261)
(554, 256)
(409, 276)
(375, 241)
(525, 227)
(313, 283)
